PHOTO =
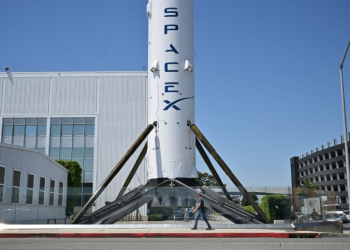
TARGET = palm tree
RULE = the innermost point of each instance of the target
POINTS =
(308, 184)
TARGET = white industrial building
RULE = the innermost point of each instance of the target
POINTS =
(33, 187)
(89, 117)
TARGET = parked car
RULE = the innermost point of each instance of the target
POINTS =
(347, 216)
(334, 217)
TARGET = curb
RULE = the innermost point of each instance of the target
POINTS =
(159, 235)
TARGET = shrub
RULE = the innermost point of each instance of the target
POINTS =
(73, 183)
(155, 217)
(272, 206)
(249, 209)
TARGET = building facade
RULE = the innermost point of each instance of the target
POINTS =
(325, 167)
(90, 117)
(33, 187)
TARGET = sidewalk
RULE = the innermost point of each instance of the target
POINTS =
(152, 233)
(161, 230)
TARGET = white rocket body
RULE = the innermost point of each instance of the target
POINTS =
(171, 145)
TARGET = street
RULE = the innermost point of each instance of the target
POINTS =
(334, 243)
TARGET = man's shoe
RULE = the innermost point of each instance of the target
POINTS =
(209, 228)
(194, 228)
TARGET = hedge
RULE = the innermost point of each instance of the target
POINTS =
(270, 204)
(249, 209)
(155, 217)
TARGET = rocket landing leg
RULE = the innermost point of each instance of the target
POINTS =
(167, 191)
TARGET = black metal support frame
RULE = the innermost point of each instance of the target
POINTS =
(212, 169)
(227, 170)
(139, 196)
(133, 200)
(115, 171)
(133, 171)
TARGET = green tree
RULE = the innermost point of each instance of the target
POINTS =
(276, 207)
(208, 179)
(73, 183)
(245, 201)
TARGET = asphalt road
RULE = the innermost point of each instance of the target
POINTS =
(334, 243)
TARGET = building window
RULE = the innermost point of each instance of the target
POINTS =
(60, 193)
(73, 139)
(52, 192)
(2, 183)
(42, 191)
(16, 186)
(27, 132)
(30, 187)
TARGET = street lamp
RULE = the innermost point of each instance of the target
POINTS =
(345, 126)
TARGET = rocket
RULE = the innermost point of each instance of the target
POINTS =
(171, 145)
(171, 131)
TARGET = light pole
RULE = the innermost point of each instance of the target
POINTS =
(345, 126)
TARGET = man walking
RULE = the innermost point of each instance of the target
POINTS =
(186, 212)
(201, 212)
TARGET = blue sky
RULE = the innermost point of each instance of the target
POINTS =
(267, 72)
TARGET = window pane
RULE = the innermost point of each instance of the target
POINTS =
(42, 130)
(55, 141)
(60, 199)
(7, 139)
(55, 153)
(87, 188)
(55, 129)
(7, 130)
(78, 141)
(67, 120)
(67, 129)
(55, 120)
(42, 150)
(81, 162)
(42, 121)
(16, 178)
(41, 141)
(88, 164)
(18, 140)
(78, 130)
(19, 130)
(2, 175)
(19, 121)
(29, 196)
(66, 142)
(89, 153)
(42, 183)
(89, 141)
(31, 121)
(90, 120)
(52, 197)
(8, 121)
(41, 197)
(79, 120)
(88, 176)
(60, 187)
(31, 130)
(30, 181)
(78, 153)
(89, 129)
(65, 153)
(15, 195)
(52, 186)
(30, 141)
(1, 193)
